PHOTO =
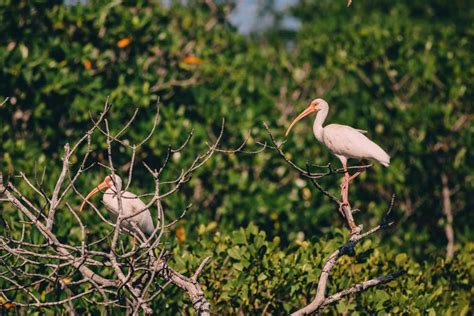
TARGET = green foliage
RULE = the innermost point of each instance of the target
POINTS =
(250, 273)
(401, 70)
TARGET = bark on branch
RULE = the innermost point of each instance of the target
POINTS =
(448, 212)
(115, 273)
(320, 300)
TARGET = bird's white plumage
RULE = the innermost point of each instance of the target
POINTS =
(345, 141)
(131, 204)
(349, 142)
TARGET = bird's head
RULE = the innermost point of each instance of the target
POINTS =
(315, 106)
(112, 181)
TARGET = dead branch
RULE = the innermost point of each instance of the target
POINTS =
(136, 275)
(320, 299)
(4, 101)
(448, 212)
(356, 235)
(360, 287)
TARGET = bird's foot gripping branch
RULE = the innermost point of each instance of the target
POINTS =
(321, 299)
(38, 254)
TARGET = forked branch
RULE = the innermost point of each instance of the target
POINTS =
(114, 273)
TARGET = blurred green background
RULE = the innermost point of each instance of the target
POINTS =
(402, 70)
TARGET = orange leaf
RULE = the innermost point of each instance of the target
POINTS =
(192, 60)
(66, 281)
(181, 234)
(124, 42)
(8, 305)
(87, 64)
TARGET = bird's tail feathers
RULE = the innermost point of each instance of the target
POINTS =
(383, 158)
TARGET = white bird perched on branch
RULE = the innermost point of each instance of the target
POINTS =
(131, 205)
(343, 141)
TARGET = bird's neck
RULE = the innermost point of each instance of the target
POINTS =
(318, 124)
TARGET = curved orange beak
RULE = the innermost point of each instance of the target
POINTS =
(98, 188)
(310, 109)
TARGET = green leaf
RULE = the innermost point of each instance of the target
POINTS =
(235, 252)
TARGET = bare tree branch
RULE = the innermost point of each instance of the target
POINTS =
(360, 287)
(448, 212)
(4, 101)
(320, 300)
(132, 275)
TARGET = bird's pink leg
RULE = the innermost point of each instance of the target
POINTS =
(345, 208)
(345, 186)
